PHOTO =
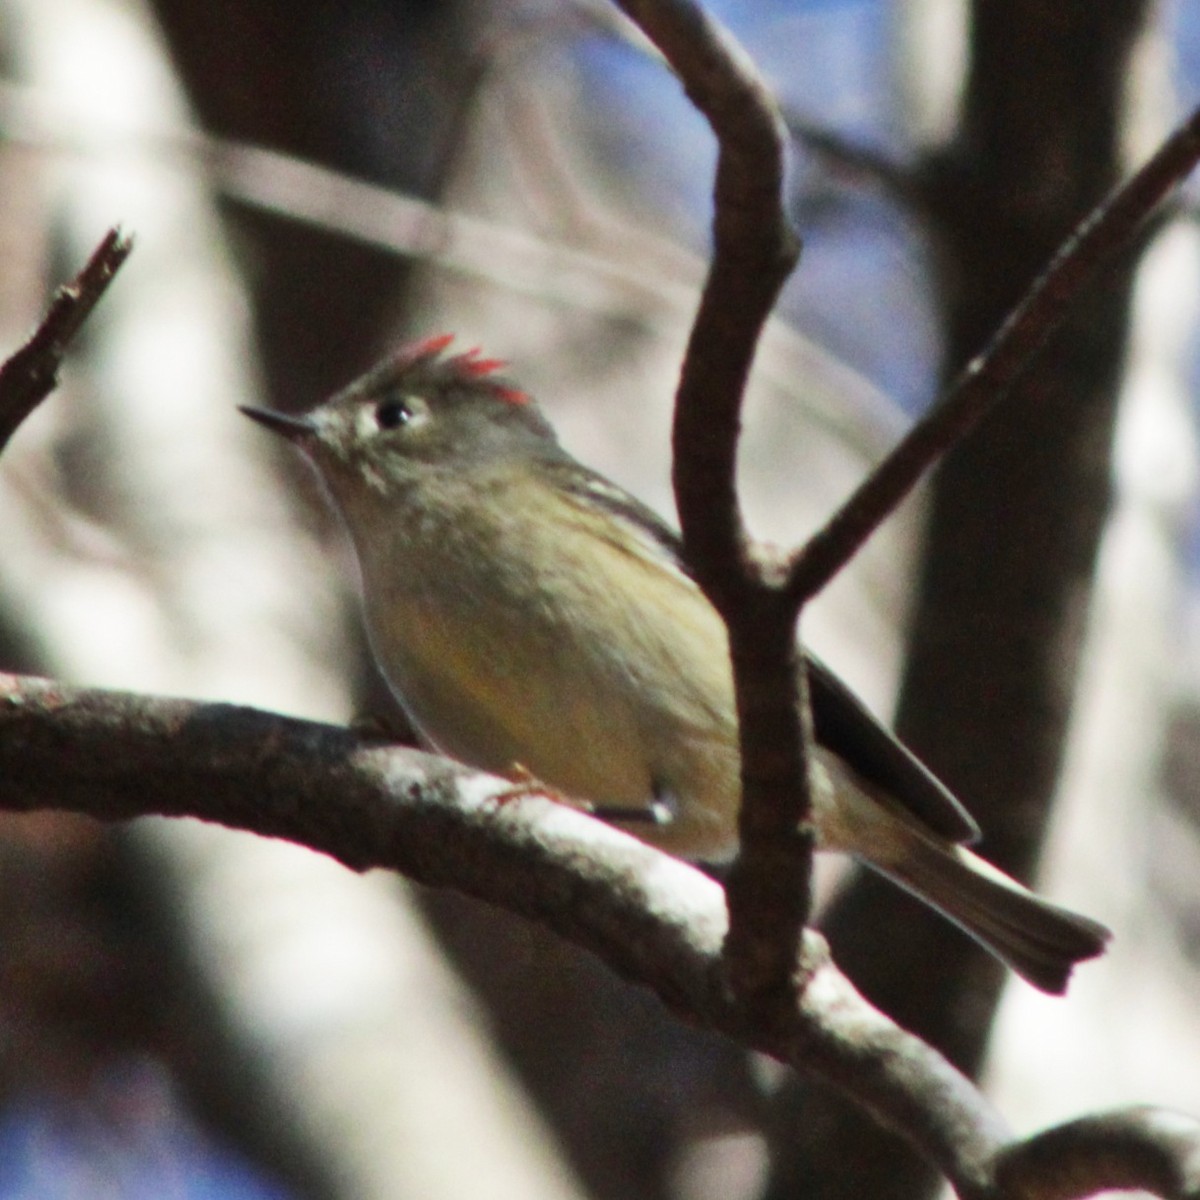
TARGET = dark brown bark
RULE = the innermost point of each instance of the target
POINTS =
(1014, 525)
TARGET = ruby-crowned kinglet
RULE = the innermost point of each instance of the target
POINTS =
(531, 615)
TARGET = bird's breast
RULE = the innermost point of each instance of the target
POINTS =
(521, 643)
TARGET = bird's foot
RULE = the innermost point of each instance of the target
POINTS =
(657, 812)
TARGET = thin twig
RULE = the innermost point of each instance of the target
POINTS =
(31, 374)
(859, 162)
(987, 379)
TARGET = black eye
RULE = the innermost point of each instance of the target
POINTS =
(391, 414)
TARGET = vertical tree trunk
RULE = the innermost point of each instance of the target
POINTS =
(1014, 525)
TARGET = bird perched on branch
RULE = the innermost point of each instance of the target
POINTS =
(531, 615)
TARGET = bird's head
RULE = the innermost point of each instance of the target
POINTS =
(417, 415)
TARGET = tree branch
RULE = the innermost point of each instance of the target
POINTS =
(118, 756)
(987, 379)
(754, 251)
(650, 917)
(1151, 1149)
(31, 374)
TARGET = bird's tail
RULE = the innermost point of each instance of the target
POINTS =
(1040, 941)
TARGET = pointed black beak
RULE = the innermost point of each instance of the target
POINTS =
(295, 429)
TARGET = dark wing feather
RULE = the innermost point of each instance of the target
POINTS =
(843, 724)
(595, 491)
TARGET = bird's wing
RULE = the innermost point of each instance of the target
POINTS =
(843, 724)
(649, 531)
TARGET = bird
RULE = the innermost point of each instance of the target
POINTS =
(533, 617)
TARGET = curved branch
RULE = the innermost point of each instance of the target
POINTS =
(1152, 1149)
(116, 756)
(652, 918)
(754, 251)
